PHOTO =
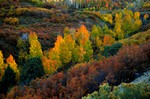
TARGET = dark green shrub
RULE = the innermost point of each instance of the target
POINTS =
(111, 50)
(31, 70)
(8, 80)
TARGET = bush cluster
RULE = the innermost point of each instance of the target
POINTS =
(11, 21)
(86, 78)
(123, 91)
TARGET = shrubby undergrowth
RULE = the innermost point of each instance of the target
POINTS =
(78, 81)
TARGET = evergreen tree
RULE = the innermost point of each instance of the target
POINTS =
(31, 70)
(8, 80)
(111, 50)
(23, 46)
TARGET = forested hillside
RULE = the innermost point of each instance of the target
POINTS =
(73, 49)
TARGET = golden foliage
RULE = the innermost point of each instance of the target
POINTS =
(49, 65)
(136, 15)
(1, 59)
(82, 35)
(35, 46)
(2, 70)
(108, 40)
(12, 21)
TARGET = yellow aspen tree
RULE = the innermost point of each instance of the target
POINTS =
(127, 24)
(99, 43)
(49, 65)
(137, 21)
(66, 48)
(2, 68)
(117, 29)
(110, 18)
(35, 46)
(65, 53)
(55, 51)
(136, 15)
(78, 54)
(95, 37)
(89, 51)
(96, 32)
(82, 35)
(11, 61)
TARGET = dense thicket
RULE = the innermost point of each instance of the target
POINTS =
(123, 91)
(111, 50)
(86, 78)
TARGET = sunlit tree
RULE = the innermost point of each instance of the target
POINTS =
(117, 28)
(108, 40)
(35, 46)
(66, 48)
(83, 38)
(127, 25)
(54, 53)
(78, 54)
(49, 65)
(1, 65)
(88, 51)
(11, 61)
(137, 21)
(96, 36)
(96, 32)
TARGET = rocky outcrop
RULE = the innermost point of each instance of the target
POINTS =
(145, 78)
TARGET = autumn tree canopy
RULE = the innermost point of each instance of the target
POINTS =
(35, 46)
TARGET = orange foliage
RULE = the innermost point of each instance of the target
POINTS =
(146, 16)
(57, 43)
(49, 65)
(11, 61)
(108, 40)
(82, 35)
(107, 5)
(137, 15)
